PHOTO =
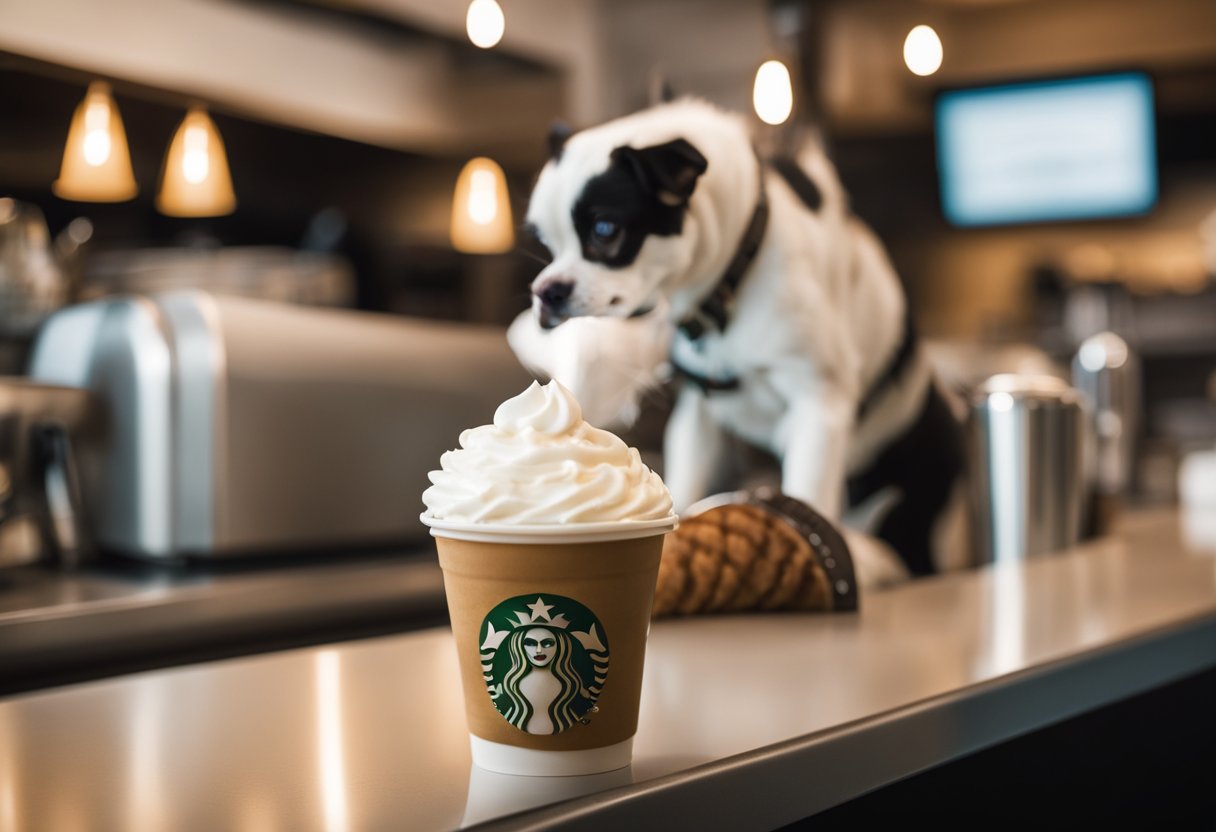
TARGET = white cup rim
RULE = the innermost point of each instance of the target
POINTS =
(549, 532)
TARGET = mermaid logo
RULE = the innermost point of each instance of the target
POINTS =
(544, 669)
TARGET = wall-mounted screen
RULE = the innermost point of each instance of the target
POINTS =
(1041, 151)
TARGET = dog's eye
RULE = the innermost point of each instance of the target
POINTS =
(605, 229)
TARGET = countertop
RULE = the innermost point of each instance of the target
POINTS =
(784, 715)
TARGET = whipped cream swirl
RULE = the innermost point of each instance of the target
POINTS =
(541, 464)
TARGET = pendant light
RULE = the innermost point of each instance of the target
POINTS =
(96, 161)
(196, 181)
(485, 23)
(481, 210)
(923, 50)
(773, 93)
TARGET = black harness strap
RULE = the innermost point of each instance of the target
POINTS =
(707, 384)
(895, 366)
(716, 307)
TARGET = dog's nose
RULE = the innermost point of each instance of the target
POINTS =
(554, 294)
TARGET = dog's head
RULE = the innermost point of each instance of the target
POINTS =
(613, 217)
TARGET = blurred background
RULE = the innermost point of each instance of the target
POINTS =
(344, 126)
(340, 186)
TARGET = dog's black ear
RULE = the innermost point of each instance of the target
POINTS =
(669, 171)
(559, 131)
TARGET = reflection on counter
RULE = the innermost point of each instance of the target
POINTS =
(331, 751)
(1008, 620)
(9, 770)
(493, 795)
(146, 792)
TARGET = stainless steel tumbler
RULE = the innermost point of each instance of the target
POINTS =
(1107, 371)
(1028, 439)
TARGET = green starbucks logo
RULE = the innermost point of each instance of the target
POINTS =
(544, 659)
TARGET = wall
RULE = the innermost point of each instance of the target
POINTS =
(977, 283)
(709, 48)
(867, 88)
(295, 68)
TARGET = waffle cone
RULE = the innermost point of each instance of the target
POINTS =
(741, 557)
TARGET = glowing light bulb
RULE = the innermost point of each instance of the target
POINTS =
(485, 23)
(773, 93)
(481, 209)
(923, 50)
(483, 201)
(97, 142)
(194, 160)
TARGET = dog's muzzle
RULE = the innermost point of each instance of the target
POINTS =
(549, 319)
(554, 298)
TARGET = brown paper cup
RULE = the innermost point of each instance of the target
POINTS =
(551, 638)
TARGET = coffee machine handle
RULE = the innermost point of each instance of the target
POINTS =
(64, 524)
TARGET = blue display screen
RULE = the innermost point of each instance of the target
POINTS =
(1079, 148)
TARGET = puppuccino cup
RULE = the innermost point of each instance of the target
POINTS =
(549, 534)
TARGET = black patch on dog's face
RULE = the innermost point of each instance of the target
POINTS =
(644, 191)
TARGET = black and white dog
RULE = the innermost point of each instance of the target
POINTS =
(791, 328)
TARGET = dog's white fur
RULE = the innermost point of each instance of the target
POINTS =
(817, 319)
(607, 363)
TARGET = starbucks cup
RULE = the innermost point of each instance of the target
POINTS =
(550, 626)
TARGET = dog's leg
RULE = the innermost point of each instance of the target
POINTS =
(694, 446)
(815, 436)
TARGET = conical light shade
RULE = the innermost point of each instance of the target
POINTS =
(481, 210)
(96, 162)
(196, 182)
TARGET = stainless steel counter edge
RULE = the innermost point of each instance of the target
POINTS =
(783, 783)
(77, 626)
